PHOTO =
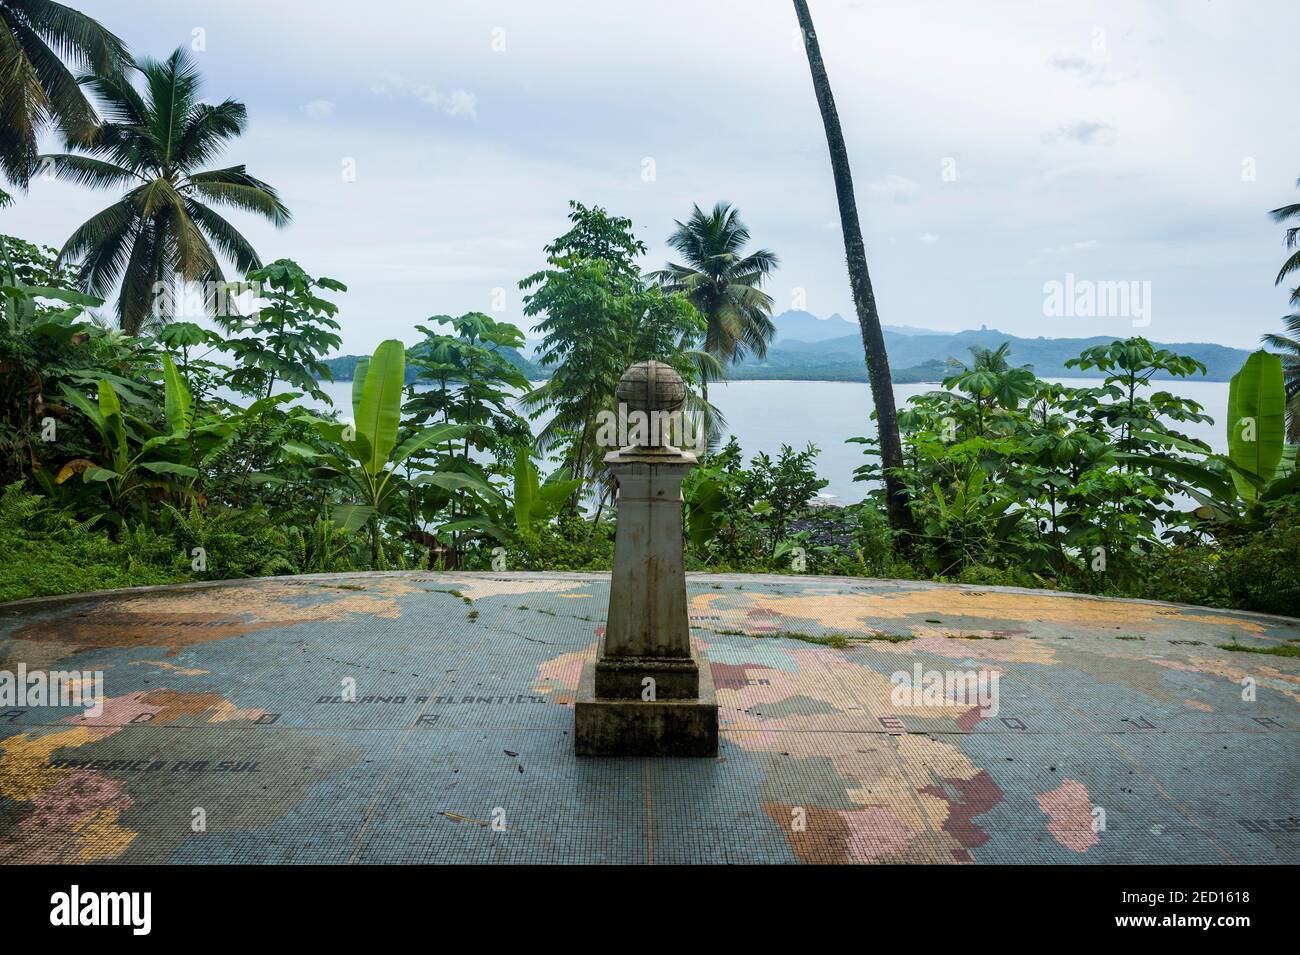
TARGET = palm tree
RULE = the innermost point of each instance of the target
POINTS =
(1292, 263)
(1289, 347)
(154, 141)
(864, 298)
(722, 283)
(36, 88)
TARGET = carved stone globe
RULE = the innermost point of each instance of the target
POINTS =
(651, 386)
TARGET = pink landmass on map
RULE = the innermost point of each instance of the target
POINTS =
(1069, 809)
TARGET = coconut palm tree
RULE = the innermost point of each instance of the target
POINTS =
(1288, 346)
(864, 297)
(36, 87)
(723, 283)
(154, 141)
(1292, 263)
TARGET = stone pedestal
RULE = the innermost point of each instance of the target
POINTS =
(648, 692)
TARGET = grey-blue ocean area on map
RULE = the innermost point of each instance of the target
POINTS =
(422, 717)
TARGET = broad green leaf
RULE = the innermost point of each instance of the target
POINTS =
(352, 517)
(379, 411)
(61, 294)
(1281, 487)
(525, 491)
(551, 497)
(1256, 419)
(177, 405)
(114, 427)
(262, 404)
(1191, 471)
(167, 467)
(298, 449)
(427, 438)
(704, 511)
(84, 405)
(329, 430)
(1169, 441)
(449, 481)
(475, 524)
(359, 382)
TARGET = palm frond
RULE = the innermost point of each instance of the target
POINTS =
(39, 41)
(85, 170)
(74, 36)
(226, 237)
(207, 129)
(234, 187)
(144, 269)
(173, 86)
(64, 100)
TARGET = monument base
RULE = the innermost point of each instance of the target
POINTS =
(636, 727)
(622, 678)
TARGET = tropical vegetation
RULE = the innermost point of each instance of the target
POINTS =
(191, 439)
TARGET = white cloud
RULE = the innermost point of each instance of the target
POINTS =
(929, 238)
(914, 82)
(318, 108)
(1093, 71)
(1087, 132)
(458, 102)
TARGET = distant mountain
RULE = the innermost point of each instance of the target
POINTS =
(796, 325)
(840, 358)
(342, 366)
(803, 326)
(808, 348)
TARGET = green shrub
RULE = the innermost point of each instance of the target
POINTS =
(45, 551)
(1263, 571)
(569, 543)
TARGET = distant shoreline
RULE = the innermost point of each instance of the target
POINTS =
(898, 379)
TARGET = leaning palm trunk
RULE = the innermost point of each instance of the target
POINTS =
(864, 299)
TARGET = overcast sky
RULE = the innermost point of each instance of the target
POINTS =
(996, 147)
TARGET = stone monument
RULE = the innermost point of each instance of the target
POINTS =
(649, 691)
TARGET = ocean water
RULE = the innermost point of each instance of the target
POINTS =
(763, 415)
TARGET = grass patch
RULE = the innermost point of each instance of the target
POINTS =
(1130, 636)
(1272, 651)
(837, 641)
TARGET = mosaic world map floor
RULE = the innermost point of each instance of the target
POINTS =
(1121, 732)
